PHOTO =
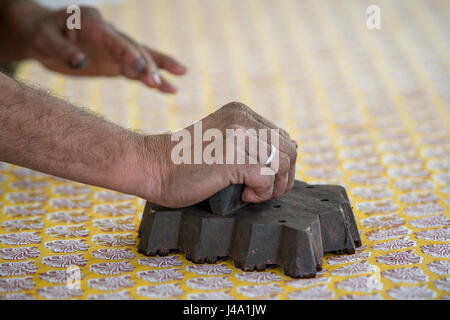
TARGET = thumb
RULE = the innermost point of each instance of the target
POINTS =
(67, 52)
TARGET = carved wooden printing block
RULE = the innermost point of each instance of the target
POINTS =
(293, 231)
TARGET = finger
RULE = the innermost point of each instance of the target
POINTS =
(258, 187)
(247, 144)
(292, 170)
(167, 63)
(261, 119)
(133, 64)
(282, 174)
(67, 53)
(284, 145)
(166, 86)
(151, 76)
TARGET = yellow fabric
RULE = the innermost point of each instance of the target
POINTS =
(370, 109)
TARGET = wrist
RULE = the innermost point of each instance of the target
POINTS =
(151, 164)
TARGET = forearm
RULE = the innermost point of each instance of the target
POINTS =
(17, 18)
(47, 134)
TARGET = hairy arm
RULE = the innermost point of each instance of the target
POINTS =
(47, 134)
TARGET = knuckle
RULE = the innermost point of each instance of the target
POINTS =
(235, 106)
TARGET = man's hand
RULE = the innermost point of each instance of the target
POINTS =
(47, 134)
(182, 185)
(97, 49)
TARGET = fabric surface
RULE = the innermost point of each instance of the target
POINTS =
(370, 109)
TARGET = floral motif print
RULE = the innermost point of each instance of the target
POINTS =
(437, 250)
(19, 253)
(440, 267)
(17, 268)
(209, 283)
(58, 276)
(424, 209)
(355, 268)
(121, 295)
(315, 293)
(16, 284)
(23, 224)
(111, 283)
(256, 291)
(114, 240)
(119, 209)
(384, 221)
(108, 268)
(401, 243)
(161, 262)
(360, 284)
(379, 206)
(23, 238)
(348, 258)
(214, 269)
(409, 275)
(258, 277)
(71, 203)
(220, 295)
(388, 233)
(400, 257)
(162, 291)
(434, 234)
(33, 209)
(68, 231)
(59, 292)
(65, 261)
(411, 293)
(67, 246)
(73, 216)
(118, 224)
(303, 283)
(431, 222)
(443, 284)
(162, 275)
(113, 254)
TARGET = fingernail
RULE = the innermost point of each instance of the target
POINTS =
(78, 61)
(141, 64)
(156, 77)
(296, 144)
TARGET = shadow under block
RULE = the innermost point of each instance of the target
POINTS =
(293, 231)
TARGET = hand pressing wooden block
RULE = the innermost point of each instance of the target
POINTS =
(292, 232)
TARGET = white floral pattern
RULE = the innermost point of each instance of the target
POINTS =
(391, 155)
(17, 268)
(19, 253)
(111, 283)
(315, 293)
(411, 293)
(209, 283)
(108, 268)
(162, 275)
(162, 291)
(409, 275)
(16, 284)
(360, 284)
(67, 246)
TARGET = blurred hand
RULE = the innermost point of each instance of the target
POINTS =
(97, 49)
(186, 184)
